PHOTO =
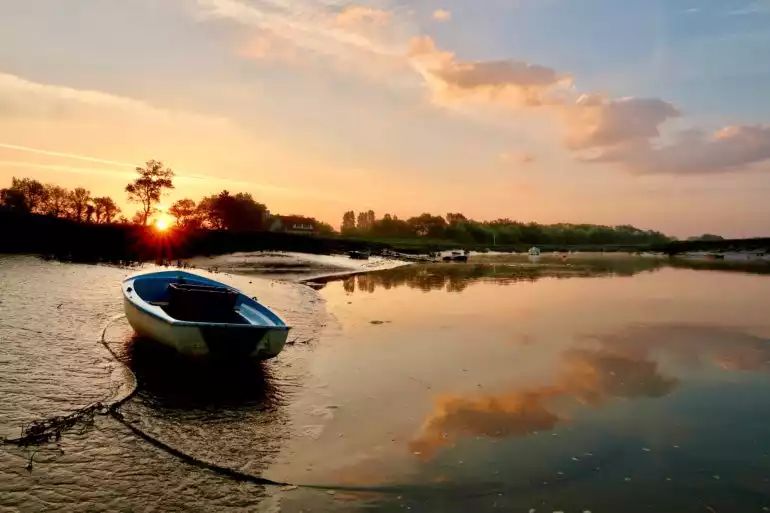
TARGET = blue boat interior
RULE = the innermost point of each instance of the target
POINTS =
(156, 291)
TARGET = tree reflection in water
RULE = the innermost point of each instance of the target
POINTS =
(457, 277)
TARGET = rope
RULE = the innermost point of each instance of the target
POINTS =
(47, 430)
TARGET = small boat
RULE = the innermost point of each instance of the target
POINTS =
(198, 316)
(359, 255)
(534, 251)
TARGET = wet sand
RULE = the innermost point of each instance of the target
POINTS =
(289, 266)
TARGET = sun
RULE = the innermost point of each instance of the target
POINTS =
(161, 225)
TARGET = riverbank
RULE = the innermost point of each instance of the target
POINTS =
(66, 240)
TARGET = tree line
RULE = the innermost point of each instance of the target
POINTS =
(31, 196)
(455, 227)
(241, 212)
(221, 211)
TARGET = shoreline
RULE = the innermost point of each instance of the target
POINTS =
(294, 267)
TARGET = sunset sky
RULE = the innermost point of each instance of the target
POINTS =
(649, 112)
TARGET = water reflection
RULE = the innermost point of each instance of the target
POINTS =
(171, 382)
(509, 270)
(590, 377)
(624, 365)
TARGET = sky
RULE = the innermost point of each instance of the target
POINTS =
(654, 113)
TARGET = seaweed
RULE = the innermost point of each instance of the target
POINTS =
(43, 431)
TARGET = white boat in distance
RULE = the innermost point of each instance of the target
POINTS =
(198, 316)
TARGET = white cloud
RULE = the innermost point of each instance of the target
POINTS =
(752, 8)
(625, 131)
(731, 148)
(21, 98)
(49, 153)
(311, 26)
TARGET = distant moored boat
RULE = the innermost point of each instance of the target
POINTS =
(359, 255)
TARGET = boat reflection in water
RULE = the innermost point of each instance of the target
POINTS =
(172, 381)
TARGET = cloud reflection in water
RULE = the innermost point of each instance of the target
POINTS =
(622, 366)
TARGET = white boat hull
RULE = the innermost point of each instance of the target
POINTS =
(198, 341)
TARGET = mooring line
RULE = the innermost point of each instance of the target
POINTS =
(47, 430)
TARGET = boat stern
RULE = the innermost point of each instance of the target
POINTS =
(247, 342)
(271, 344)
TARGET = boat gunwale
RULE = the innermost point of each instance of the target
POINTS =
(157, 312)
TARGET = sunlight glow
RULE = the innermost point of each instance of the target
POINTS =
(161, 225)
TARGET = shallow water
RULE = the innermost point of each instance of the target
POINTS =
(601, 384)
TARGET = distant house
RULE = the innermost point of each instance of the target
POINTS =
(293, 224)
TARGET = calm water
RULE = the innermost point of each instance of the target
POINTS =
(605, 384)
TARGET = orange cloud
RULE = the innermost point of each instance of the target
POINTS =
(587, 376)
(513, 82)
(442, 15)
(517, 157)
(357, 14)
(515, 414)
(268, 47)
(596, 121)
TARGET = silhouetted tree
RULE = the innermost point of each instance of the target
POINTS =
(185, 211)
(348, 222)
(227, 212)
(706, 237)
(57, 200)
(391, 226)
(148, 187)
(242, 213)
(361, 222)
(324, 228)
(13, 199)
(427, 225)
(78, 204)
(25, 195)
(454, 218)
(105, 209)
